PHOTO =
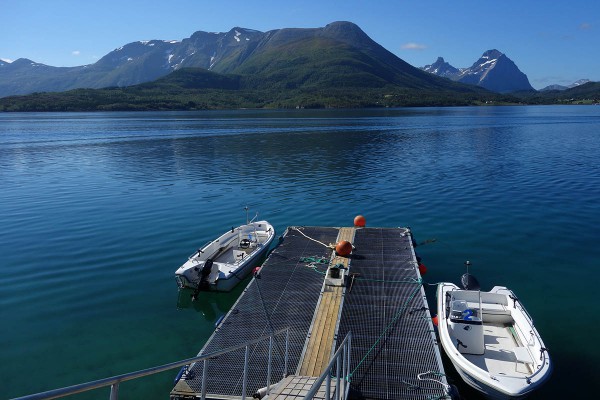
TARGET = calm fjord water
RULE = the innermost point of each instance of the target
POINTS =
(98, 210)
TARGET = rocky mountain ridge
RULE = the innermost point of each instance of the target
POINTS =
(338, 54)
(578, 82)
(493, 71)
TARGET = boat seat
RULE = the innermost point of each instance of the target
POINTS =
(522, 355)
(493, 308)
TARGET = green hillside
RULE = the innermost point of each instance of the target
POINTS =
(337, 66)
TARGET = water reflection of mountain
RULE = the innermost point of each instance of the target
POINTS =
(239, 151)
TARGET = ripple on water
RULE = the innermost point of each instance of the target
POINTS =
(98, 210)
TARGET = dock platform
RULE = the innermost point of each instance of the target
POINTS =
(380, 300)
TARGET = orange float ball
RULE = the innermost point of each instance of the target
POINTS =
(422, 269)
(343, 248)
(360, 221)
(435, 320)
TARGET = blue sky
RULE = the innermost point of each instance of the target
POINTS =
(550, 41)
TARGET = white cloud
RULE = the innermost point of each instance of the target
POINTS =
(76, 52)
(585, 26)
(413, 46)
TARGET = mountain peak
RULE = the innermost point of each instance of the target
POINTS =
(346, 31)
(493, 71)
(492, 54)
(346, 25)
(578, 82)
(441, 68)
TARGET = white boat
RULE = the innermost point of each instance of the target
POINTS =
(491, 340)
(221, 264)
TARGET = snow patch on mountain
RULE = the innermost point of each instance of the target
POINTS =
(488, 62)
(579, 83)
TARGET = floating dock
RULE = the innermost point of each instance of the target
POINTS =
(376, 293)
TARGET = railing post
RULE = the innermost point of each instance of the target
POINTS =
(344, 367)
(204, 376)
(337, 373)
(349, 344)
(114, 391)
(269, 364)
(245, 378)
(287, 341)
(327, 386)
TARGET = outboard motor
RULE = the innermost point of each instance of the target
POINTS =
(206, 269)
(205, 273)
(204, 284)
(469, 282)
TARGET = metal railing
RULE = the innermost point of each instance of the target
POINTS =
(341, 360)
(114, 381)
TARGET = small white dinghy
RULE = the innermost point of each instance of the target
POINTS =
(221, 264)
(491, 340)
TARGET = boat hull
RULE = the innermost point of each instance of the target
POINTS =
(223, 263)
(491, 341)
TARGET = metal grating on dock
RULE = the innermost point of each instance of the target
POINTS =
(386, 310)
(384, 307)
(285, 296)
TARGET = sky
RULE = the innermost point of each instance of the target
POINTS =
(552, 42)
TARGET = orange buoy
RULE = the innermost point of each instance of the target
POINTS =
(422, 269)
(343, 248)
(255, 271)
(360, 221)
(435, 320)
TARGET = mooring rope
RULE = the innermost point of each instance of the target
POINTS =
(329, 246)
(439, 374)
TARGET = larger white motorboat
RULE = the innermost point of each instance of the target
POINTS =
(221, 264)
(491, 340)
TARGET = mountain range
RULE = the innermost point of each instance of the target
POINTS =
(334, 66)
(493, 71)
(561, 87)
(292, 57)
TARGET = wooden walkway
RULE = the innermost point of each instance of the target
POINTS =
(320, 342)
(296, 387)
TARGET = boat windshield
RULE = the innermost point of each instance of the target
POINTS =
(460, 311)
